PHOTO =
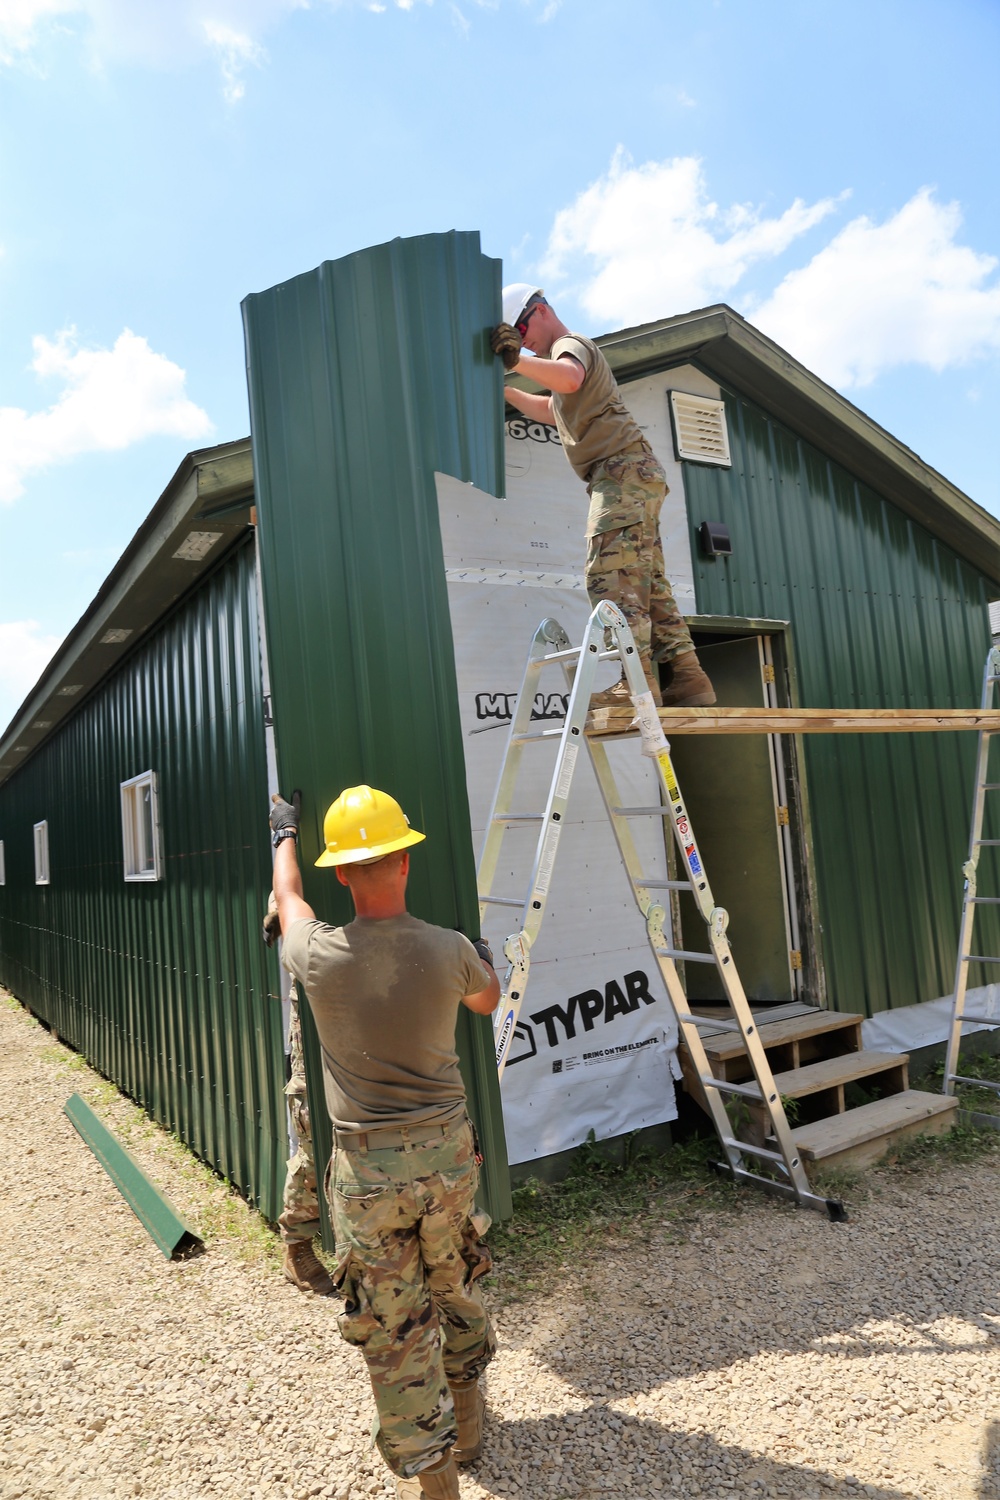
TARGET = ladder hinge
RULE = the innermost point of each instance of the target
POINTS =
(768, 672)
(796, 958)
(782, 817)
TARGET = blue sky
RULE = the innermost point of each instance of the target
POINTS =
(829, 169)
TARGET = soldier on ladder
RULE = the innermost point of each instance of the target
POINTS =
(624, 479)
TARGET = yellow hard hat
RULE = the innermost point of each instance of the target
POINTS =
(363, 825)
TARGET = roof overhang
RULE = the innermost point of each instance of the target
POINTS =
(741, 358)
(201, 513)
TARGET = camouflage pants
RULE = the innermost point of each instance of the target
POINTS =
(299, 1218)
(625, 555)
(408, 1255)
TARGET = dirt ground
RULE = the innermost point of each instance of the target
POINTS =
(770, 1354)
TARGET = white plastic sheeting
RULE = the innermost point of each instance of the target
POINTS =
(596, 1045)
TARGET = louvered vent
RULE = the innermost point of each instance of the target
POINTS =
(700, 430)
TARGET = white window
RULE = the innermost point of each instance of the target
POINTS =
(140, 828)
(42, 853)
(3, 865)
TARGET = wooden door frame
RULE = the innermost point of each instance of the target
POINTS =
(814, 988)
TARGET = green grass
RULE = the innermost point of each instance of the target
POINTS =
(602, 1204)
(974, 1065)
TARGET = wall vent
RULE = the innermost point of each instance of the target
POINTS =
(700, 431)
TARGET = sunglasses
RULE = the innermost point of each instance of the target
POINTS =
(522, 324)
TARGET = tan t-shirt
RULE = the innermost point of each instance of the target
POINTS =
(385, 996)
(594, 423)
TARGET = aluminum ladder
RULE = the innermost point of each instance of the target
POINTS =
(971, 898)
(777, 1155)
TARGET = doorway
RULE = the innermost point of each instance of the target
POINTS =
(736, 791)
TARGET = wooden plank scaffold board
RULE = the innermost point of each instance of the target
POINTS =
(801, 720)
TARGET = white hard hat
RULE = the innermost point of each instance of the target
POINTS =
(516, 298)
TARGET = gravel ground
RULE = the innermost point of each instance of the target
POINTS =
(770, 1354)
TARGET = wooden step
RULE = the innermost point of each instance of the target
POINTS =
(729, 1044)
(864, 1135)
(835, 1072)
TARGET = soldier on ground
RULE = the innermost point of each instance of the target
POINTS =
(384, 992)
(624, 479)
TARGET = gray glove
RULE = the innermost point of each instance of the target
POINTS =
(284, 815)
(484, 950)
(505, 341)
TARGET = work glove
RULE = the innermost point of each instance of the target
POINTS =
(284, 814)
(506, 342)
(271, 927)
(484, 950)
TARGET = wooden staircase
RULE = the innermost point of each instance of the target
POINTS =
(847, 1106)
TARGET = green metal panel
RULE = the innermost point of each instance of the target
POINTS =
(164, 1225)
(366, 376)
(883, 616)
(163, 986)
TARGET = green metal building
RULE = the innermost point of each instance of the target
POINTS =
(134, 780)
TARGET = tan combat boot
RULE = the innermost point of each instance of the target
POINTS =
(440, 1482)
(304, 1269)
(689, 686)
(618, 695)
(469, 1410)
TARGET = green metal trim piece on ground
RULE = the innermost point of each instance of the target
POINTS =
(168, 1231)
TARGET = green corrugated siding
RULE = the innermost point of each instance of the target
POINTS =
(883, 616)
(365, 377)
(162, 986)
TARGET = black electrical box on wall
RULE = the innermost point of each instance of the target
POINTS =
(714, 538)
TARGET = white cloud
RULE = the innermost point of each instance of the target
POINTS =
(154, 33)
(236, 51)
(882, 295)
(23, 22)
(25, 651)
(111, 398)
(655, 243)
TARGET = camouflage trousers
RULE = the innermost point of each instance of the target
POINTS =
(299, 1217)
(625, 554)
(408, 1255)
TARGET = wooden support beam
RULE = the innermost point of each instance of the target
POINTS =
(800, 720)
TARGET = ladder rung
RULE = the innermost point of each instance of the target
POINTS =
(985, 843)
(980, 1020)
(572, 654)
(990, 786)
(519, 818)
(538, 734)
(640, 812)
(748, 1090)
(709, 1022)
(760, 1151)
(666, 885)
(979, 1083)
(682, 955)
(501, 901)
(984, 900)
(979, 958)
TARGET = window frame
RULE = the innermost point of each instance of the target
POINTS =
(132, 825)
(43, 868)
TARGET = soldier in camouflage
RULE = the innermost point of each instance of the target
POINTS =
(624, 479)
(384, 992)
(299, 1218)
